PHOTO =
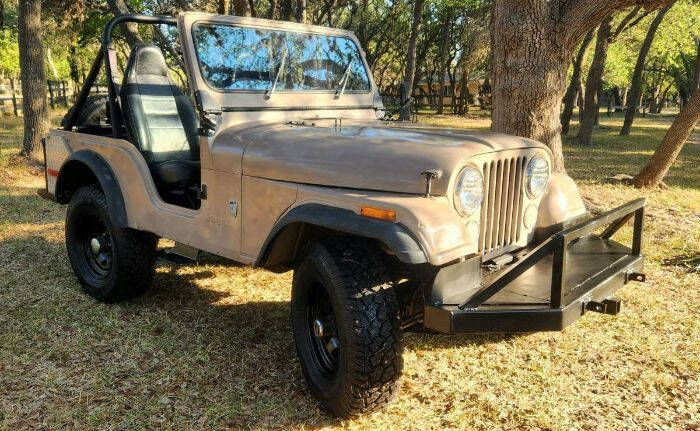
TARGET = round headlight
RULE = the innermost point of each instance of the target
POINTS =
(469, 190)
(536, 176)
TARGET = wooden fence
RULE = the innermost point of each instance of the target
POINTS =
(60, 93)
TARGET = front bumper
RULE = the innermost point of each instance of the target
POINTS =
(551, 286)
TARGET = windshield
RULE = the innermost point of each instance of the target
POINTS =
(249, 59)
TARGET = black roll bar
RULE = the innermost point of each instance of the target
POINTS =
(107, 53)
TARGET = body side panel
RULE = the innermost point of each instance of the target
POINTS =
(264, 203)
(212, 228)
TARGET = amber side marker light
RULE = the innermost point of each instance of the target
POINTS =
(378, 213)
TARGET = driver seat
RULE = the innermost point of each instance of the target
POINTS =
(161, 123)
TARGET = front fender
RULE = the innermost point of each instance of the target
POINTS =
(394, 235)
(561, 205)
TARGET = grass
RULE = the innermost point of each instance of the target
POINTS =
(210, 346)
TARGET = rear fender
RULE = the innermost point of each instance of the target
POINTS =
(86, 167)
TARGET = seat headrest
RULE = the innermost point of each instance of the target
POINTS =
(147, 59)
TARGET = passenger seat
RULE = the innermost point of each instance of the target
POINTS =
(161, 122)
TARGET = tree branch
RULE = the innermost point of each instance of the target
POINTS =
(130, 29)
(579, 16)
(636, 21)
(625, 20)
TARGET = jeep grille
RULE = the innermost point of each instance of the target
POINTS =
(502, 206)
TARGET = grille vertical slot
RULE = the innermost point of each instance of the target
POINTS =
(502, 205)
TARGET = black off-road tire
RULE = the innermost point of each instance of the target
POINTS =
(130, 254)
(364, 304)
(94, 109)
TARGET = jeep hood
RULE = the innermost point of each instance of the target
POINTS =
(371, 157)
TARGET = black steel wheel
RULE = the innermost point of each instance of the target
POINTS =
(346, 326)
(96, 245)
(111, 264)
(322, 331)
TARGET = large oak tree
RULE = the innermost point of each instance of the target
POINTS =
(533, 43)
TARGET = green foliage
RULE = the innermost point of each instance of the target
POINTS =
(9, 55)
(674, 39)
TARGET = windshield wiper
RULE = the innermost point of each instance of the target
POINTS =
(268, 92)
(344, 80)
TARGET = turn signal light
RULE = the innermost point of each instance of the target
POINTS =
(378, 213)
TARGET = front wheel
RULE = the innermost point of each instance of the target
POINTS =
(346, 327)
(112, 264)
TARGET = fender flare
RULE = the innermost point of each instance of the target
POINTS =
(394, 235)
(104, 174)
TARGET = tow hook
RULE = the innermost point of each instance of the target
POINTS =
(635, 276)
(606, 306)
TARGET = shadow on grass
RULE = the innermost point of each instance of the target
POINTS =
(254, 337)
(689, 262)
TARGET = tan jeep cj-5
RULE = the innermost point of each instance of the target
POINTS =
(276, 151)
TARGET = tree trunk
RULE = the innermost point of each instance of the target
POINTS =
(528, 68)
(655, 99)
(286, 10)
(599, 97)
(443, 63)
(593, 83)
(441, 76)
(130, 29)
(636, 87)
(463, 88)
(572, 90)
(617, 98)
(74, 66)
(655, 170)
(223, 7)
(696, 76)
(33, 75)
(253, 11)
(273, 8)
(301, 11)
(410, 71)
(579, 97)
(52, 65)
(241, 7)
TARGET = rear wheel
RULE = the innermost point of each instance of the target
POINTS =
(112, 264)
(346, 327)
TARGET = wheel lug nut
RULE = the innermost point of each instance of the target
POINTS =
(95, 245)
(318, 328)
(333, 344)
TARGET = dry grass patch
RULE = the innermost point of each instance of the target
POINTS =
(210, 346)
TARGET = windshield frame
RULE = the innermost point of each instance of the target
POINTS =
(330, 32)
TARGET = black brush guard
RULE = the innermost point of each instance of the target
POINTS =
(554, 284)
